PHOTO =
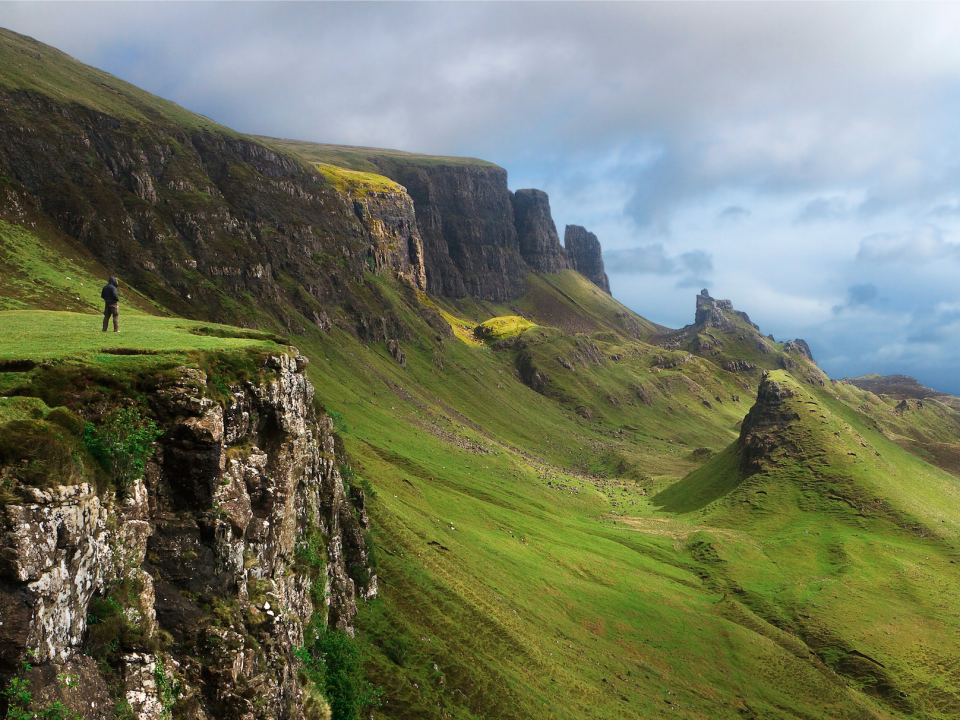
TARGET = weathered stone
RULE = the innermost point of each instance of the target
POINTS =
(209, 526)
(585, 256)
(536, 232)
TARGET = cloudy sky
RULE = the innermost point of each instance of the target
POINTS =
(802, 160)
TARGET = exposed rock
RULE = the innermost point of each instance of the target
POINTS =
(762, 429)
(530, 374)
(585, 256)
(465, 217)
(710, 312)
(737, 366)
(397, 353)
(801, 348)
(641, 392)
(390, 218)
(536, 232)
(211, 526)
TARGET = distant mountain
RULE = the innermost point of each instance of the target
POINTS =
(901, 387)
(440, 473)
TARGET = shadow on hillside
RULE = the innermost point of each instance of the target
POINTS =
(708, 483)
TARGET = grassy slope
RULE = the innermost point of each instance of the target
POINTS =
(541, 592)
(361, 158)
(845, 544)
(523, 562)
(41, 269)
(32, 66)
(538, 564)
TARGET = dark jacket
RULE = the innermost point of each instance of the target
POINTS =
(109, 292)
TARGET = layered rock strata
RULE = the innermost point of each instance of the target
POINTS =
(217, 549)
(537, 233)
(584, 255)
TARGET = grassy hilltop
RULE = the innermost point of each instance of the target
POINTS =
(577, 513)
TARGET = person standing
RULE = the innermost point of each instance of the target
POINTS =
(111, 298)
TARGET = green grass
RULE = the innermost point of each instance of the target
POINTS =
(500, 328)
(39, 270)
(356, 183)
(534, 576)
(363, 159)
(47, 335)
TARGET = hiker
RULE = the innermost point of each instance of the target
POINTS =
(111, 298)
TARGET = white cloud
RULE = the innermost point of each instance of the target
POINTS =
(921, 245)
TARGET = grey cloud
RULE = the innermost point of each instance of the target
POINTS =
(732, 213)
(857, 296)
(917, 246)
(822, 208)
(697, 261)
(654, 260)
(649, 259)
(692, 282)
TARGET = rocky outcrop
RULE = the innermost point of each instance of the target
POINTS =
(800, 348)
(239, 534)
(710, 312)
(763, 428)
(465, 218)
(737, 366)
(197, 216)
(537, 233)
(390, 219)
(585, 256)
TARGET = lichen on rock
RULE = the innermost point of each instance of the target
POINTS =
(199, 568)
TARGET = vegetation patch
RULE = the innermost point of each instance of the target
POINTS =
(355, 183)
(500, 328)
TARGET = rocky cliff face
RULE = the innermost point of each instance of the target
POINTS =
(537, 233)
(204, 577)
(392, 223)
(480, 239)
(197, 218)
(585, 256)
(763, 427)
(465, 218)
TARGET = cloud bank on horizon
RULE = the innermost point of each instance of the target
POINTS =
(799, 159)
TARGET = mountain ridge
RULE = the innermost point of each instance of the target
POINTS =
(565, 509)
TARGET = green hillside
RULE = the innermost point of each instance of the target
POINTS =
(30, 66)
(576, 513)
(362, 159)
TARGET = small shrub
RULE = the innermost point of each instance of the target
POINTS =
(110, 630)
(123, 445)
(20, 705)
(333, 661)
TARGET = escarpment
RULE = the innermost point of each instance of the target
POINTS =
(479, 238)
(204, 574)
(585, 256)
(197, 217)
(465, 217)
(537, 234)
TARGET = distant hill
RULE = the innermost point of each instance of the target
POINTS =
(901, 387)
(437, 430)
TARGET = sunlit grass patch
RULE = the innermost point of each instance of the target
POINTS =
(499, 328)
